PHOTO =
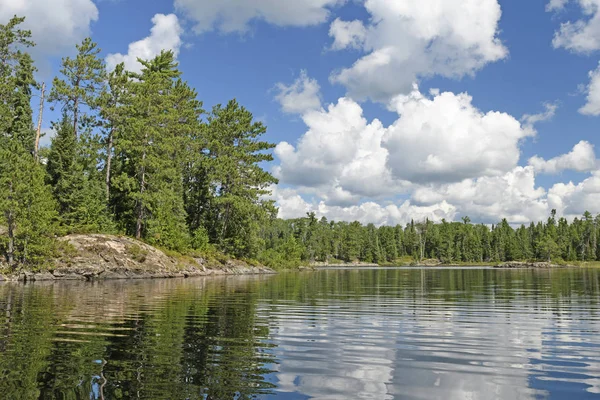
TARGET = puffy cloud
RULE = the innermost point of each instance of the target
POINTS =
(299, 97)
(447, 139)
(513, 196)
(438, 140)
(582, 159)
(292, 205)
(581, 36)
(56, 25)
(234, 16)
(340, 149)
(592, 106)
(408, 40)
(347, 34)
(449, 157)
(164, 35)
(573, 200)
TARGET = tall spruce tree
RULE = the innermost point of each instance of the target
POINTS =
(27, 211)
(79, 196)
(237, 180)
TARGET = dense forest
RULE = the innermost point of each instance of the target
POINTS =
(137, 154)
(134, 153)
(312, 239)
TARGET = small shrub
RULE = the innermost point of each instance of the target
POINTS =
(137, 253)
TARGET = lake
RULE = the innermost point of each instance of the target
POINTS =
(331, 334)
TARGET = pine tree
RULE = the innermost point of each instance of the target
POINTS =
(27, 210)
(22, 125)
(16, 81)
(162, 115)
(79, 196)
(112, 105)
(237, 181)
(79, 89)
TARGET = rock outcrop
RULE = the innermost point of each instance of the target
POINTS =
(94, 257)
(536, 264)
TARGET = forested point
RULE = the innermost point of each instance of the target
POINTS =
(136, 154)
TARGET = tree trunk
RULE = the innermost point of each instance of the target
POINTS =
(38, 132)
(225, 221)
(75, 116)
(108, 162)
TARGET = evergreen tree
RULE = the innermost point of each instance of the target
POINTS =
(162, 114)
(26, 209)
(237, 182)
(79, 196)
(112, 104)
(79, 89)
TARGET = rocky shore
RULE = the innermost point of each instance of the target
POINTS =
(98, 257)
(521, 264)
(340, 265)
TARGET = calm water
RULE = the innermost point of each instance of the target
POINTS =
(340, 334)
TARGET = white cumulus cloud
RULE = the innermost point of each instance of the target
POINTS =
(556, 5)
(572, 200)
(411, 39)
(56, 25)
(529, 120)
(592, 106)
(513, 196)
(164, 35)
(447, 139)
(346, 34)
(582, 159)
(580, 36)
(299, 97)
(435, 140)
(292, 205)
(448, 156)
(340, 149)
(229, 16)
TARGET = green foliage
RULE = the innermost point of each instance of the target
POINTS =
(150, 153)
(200, 239)
(135, 152)
(27, 208)
(226, 184)
(137, 253)
(448, 242)
(79, 196)
(79, 88)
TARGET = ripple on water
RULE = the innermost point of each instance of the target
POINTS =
(373, 334)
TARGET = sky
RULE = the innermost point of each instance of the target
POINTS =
(383, 111)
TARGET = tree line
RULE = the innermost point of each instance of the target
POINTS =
(309, 239)
(133, 153)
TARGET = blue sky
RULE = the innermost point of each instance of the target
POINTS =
(387, 152)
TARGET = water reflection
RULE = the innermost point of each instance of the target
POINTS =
(374, 334)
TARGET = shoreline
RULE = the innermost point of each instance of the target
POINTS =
(505, 265)
(107, 257)
(59, 275)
